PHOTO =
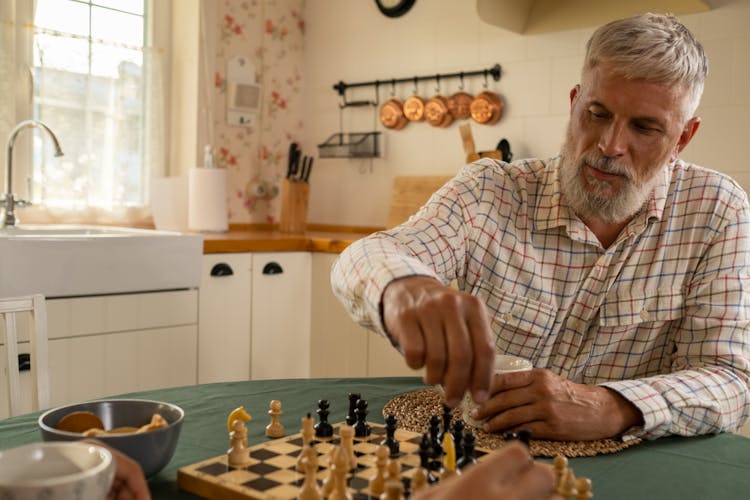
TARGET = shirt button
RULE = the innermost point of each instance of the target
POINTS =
(507, 317)
(645, 316)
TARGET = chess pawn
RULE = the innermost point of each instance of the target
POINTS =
(419, 480)
(275, 429)
(310, 489)
(377, 482)
(323, 429)
(238, 454)
(394, 490)
(347, 444)
(560, 464)
(567, 489)
(583, 487)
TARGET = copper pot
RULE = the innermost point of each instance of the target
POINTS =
(414, 108)
(437, 113)
(392, 115)
(459, 105)
(486, 108)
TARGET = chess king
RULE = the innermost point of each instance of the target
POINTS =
(619, 270)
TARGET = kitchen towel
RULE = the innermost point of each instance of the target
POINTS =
(207, 199)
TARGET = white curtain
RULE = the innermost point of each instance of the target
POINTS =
(109, 124)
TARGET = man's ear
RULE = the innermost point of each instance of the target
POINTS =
(573, 94)
(691, 127)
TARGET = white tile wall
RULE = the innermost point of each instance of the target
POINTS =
(538, 71)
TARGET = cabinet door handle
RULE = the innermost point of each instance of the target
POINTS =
(221, 269)
(272, 268)
(24, 362)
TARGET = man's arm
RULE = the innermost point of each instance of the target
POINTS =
(394, 282)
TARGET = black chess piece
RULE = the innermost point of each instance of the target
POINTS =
(524, 435)
(468, 454)
(447, 417)
(323, 429)
(510, 436)
(435, 436)
(391, 423)
(426, 453)
(361, 427)
(351, 417)
(458, 437)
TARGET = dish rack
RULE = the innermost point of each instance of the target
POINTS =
(351, 145)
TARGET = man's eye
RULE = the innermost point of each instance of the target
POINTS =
(598, 114)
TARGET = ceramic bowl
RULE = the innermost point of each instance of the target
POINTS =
(152, 449)
(56, 471)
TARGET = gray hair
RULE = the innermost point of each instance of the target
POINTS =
(652, 47)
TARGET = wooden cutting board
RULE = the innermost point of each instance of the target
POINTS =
(410, 192)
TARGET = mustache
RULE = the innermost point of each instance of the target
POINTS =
(605, 164)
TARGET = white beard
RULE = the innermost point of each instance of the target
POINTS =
(594, 198)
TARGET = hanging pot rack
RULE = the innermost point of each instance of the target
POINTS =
(495, 72)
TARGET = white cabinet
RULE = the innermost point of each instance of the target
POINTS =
(224, 317)
(255, 323)
(340, 347)
(106, 345)
(281, 315)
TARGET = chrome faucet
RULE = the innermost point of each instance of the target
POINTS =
(9, 199)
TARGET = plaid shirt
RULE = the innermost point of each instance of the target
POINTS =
(661, 316)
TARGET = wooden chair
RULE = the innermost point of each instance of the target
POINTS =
(34, 306)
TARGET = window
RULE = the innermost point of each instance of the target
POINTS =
(95, 79)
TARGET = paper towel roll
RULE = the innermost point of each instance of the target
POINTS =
(207, 199)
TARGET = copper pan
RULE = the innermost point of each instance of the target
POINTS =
(437, 113)
(486, 108)
(392, 114)
(459, 105)
(414, 108)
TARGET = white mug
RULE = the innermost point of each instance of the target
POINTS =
(503, 364)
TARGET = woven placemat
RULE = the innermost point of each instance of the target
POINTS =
(414, 409)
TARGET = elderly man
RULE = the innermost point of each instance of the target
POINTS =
(620, 271)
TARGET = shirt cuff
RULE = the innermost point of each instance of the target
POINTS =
(657, 419)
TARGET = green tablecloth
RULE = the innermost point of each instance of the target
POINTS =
(710, 467)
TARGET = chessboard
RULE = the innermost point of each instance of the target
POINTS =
(272, 471)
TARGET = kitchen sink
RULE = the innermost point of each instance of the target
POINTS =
(80, 260)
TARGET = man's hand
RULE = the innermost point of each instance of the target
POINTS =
(508, 473)
(552, 407)
(444, 330)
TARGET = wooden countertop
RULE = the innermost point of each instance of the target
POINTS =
(266, 238)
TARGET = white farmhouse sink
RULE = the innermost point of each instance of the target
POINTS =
(74, 260)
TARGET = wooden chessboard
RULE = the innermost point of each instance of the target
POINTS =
(272, 471)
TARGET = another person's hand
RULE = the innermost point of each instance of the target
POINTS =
(508, 474)
(552, 407)
(444, 330)
(129, 482)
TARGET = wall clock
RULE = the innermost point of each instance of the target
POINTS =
(394, 8)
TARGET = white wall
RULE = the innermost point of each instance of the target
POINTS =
(351, 41)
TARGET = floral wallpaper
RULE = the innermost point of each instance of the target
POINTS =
(270, 33)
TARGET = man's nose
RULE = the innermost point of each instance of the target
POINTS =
(614, 140)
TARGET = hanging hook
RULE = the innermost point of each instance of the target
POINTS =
(437, 82)
(485, 79)
(393, 87)
(461, 86)
(415, 85)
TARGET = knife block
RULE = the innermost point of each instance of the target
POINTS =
(294, 198)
